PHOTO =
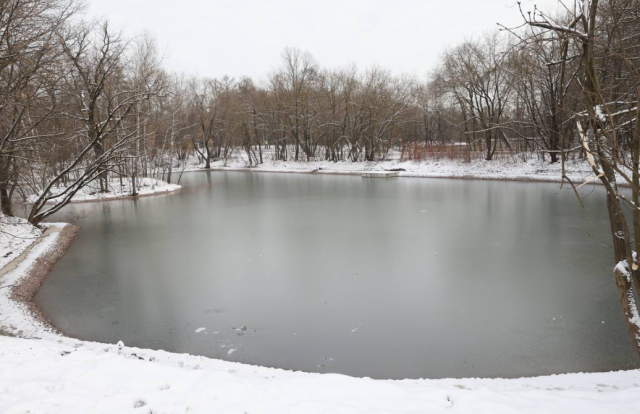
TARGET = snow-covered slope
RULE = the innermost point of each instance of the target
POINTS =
(48, 377)
(16, 316)
(117, 189)
(16, 234)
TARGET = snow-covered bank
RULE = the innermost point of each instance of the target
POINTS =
(39, 376)
(500, 169)
(118, 189)
(16, 235)
(20, 279)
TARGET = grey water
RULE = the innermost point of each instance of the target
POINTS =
(385, 278)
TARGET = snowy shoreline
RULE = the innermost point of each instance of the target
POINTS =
(83, 376)
(25, 289)
(401, 174)
(530, 170)
(21, 278)
(145, 187)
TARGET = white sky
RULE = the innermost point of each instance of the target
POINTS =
(246, 37)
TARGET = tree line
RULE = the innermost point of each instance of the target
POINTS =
(81, 103)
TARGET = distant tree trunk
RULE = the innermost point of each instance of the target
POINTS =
(5, 197)
(487, 139)
(134, 186)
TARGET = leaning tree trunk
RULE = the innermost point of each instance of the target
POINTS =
(626, 269)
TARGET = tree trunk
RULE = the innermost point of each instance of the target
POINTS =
(5, 197)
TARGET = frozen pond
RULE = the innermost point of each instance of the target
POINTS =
(386, 278)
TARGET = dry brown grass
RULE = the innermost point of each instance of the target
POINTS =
(421, 152)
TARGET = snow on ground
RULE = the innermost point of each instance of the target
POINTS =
(15, 318)
(117, 189)
(39, 376)
(16, 234)
(507, 168)
(63, 375)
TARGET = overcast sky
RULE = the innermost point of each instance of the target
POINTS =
(246, 37)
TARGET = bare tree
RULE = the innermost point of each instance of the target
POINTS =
(605, 34)
(27, 51)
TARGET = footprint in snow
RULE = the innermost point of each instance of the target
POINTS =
(139, 403)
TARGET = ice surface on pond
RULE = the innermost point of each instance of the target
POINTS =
(469, 289)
